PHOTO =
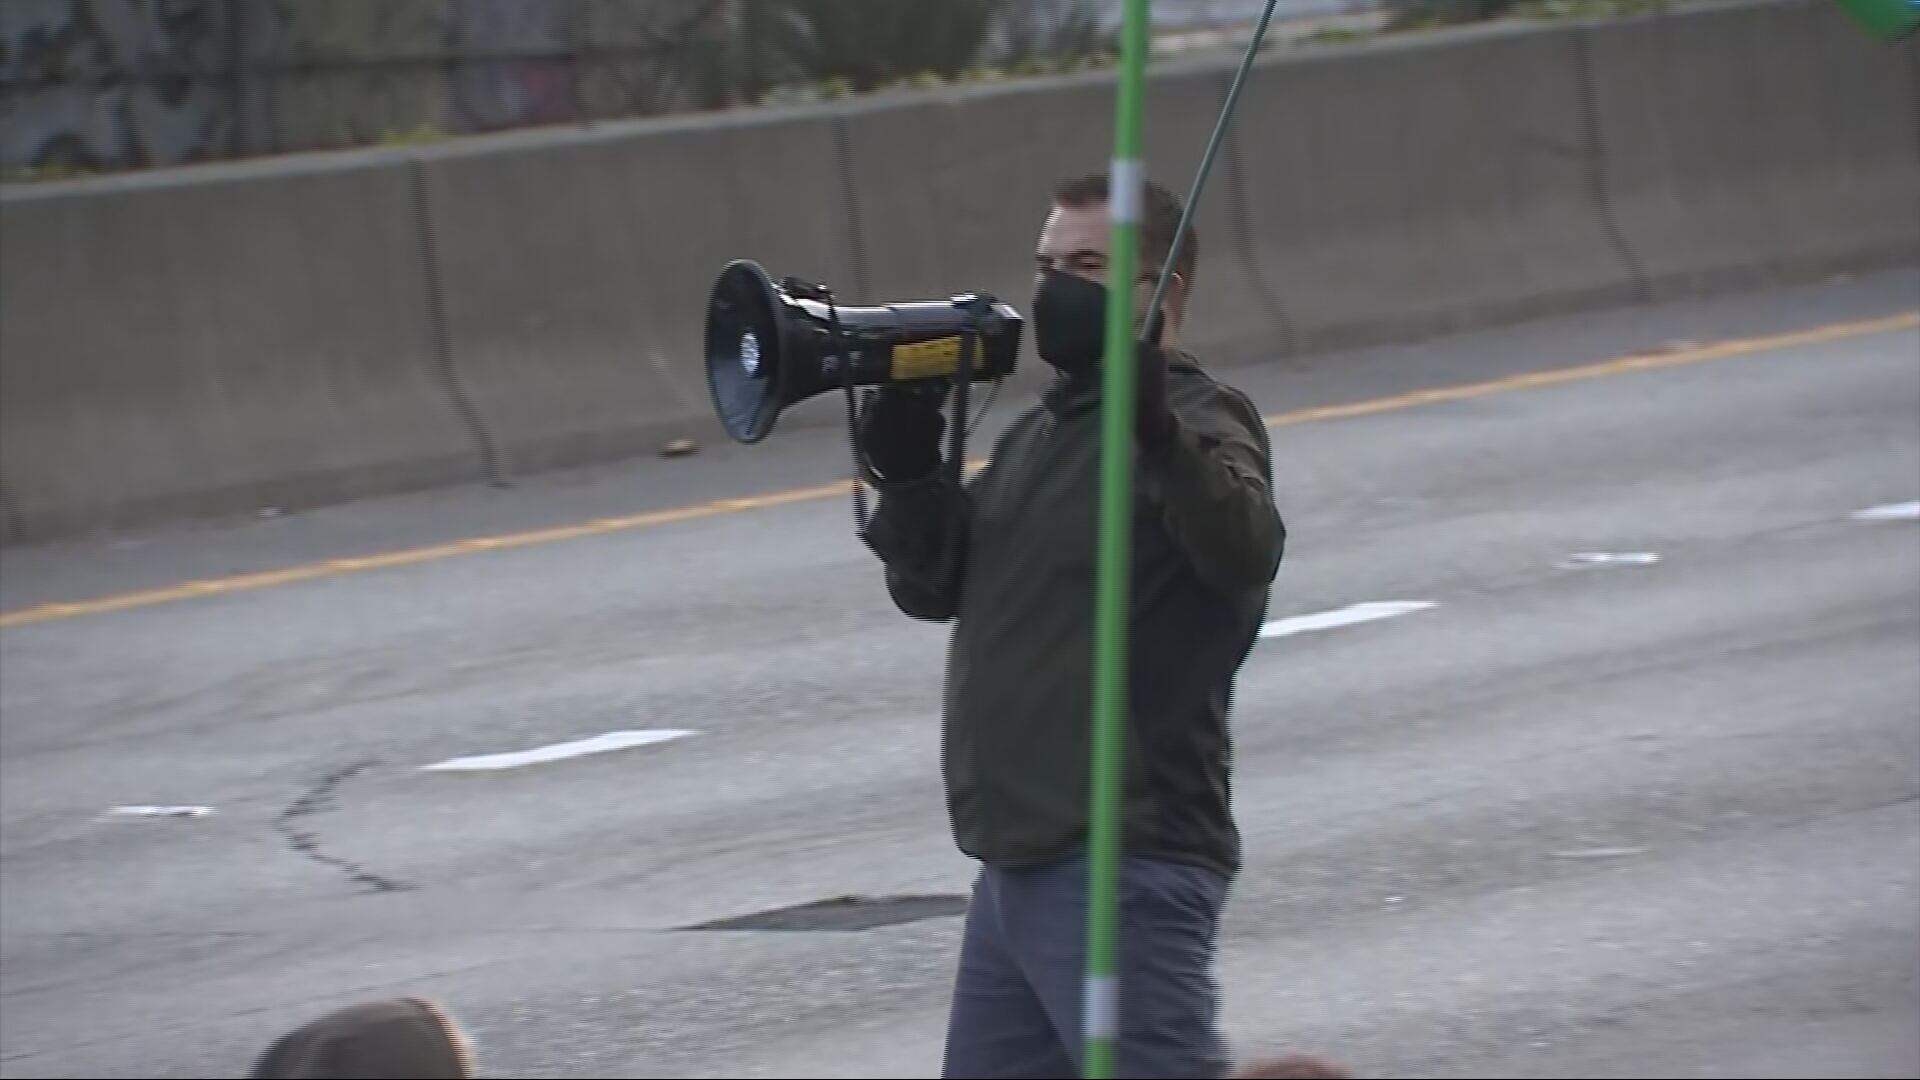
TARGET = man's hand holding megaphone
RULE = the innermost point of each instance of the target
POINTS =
(900, 433)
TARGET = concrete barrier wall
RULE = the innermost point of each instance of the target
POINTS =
(174, 346)
(1757, 142)
(577, 272)
(1408, 188)
(298, 332)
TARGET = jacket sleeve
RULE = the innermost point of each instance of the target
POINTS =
(1213, 480)
(911, 532)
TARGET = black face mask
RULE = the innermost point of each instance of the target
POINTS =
(1069, 322)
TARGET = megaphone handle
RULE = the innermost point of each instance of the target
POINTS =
(956, 457)
(956, 463)
(861, 519)
(963, 377)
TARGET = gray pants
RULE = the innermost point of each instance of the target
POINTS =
(1017, 996)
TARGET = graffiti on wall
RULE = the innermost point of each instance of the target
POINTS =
(111, 84)
(97, 83)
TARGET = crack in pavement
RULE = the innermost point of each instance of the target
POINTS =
(317, 800)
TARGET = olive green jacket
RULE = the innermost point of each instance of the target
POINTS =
(1207, 540)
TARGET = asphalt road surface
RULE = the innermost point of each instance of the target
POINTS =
(1542, 814)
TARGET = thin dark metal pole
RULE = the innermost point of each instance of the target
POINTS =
(1206, 166)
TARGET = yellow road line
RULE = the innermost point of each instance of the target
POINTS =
(1644, 361)
(1616, 366)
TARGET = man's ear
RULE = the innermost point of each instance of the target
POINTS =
(1173, 309)
(1176, 299)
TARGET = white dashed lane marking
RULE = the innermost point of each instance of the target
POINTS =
(599, 744)
(1906, 511)
(1346, 616)
(160, 811)
(1610, 558)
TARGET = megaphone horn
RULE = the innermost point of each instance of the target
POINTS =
(772, 346)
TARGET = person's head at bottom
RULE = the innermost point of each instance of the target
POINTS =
(403, 1038)
(1290, 1067)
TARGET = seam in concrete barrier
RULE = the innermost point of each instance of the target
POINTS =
(10, 526)
(442, 339)
(1596, 154)
(1913, 79)
(850, 197)
(1242, 218)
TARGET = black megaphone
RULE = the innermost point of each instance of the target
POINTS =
(771, 346)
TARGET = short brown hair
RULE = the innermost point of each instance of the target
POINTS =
(1160, 216)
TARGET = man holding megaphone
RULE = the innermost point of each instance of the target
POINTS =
(1009, 558)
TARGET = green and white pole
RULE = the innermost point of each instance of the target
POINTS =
(1102, 996)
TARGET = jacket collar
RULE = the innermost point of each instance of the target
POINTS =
(1073, 395)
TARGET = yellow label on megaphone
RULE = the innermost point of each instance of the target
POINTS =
(928, 359)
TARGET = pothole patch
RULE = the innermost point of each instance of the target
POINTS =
(845, 913)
